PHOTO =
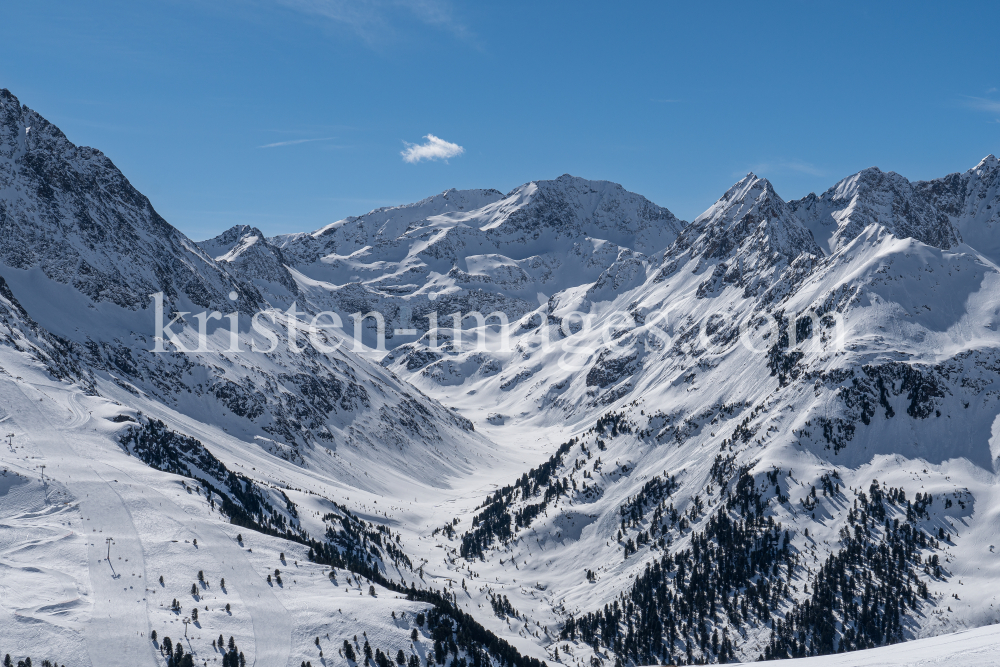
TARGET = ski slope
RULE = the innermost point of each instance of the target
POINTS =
(61, 593)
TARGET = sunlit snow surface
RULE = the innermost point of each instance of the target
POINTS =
(970, 648)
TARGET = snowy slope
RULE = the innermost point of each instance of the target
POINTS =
(475, 250)
(82, 609)
(970, 648)
(308, 425)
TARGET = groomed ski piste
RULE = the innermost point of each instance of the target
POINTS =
(62, 593)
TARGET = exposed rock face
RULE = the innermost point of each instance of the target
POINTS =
(245, 251)
(68, 212)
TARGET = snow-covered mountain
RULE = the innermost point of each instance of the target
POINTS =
(245, 251)
(70, 218)
(779, 418)
(750, 352)
(969, 201)
(87, 253)
(475, 250)
(941, 213)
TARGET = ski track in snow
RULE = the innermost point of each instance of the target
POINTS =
(108, 492)
(114, 613)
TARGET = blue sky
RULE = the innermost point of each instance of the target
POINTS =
(289, 114)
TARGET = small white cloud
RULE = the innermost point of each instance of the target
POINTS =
(293, 142)
(433, 149)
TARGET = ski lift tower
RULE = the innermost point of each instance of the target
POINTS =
(110, 541)
(10, 441)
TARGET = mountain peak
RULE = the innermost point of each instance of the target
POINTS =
(239, 231)
(571, 206)
(246, 252)
(749, 191)
(988, 162)
(971, 201)
(225, 242)
(872, 196)
(750, 185)
(750, 222)
(567, 182)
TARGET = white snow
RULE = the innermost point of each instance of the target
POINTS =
(979, 647)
